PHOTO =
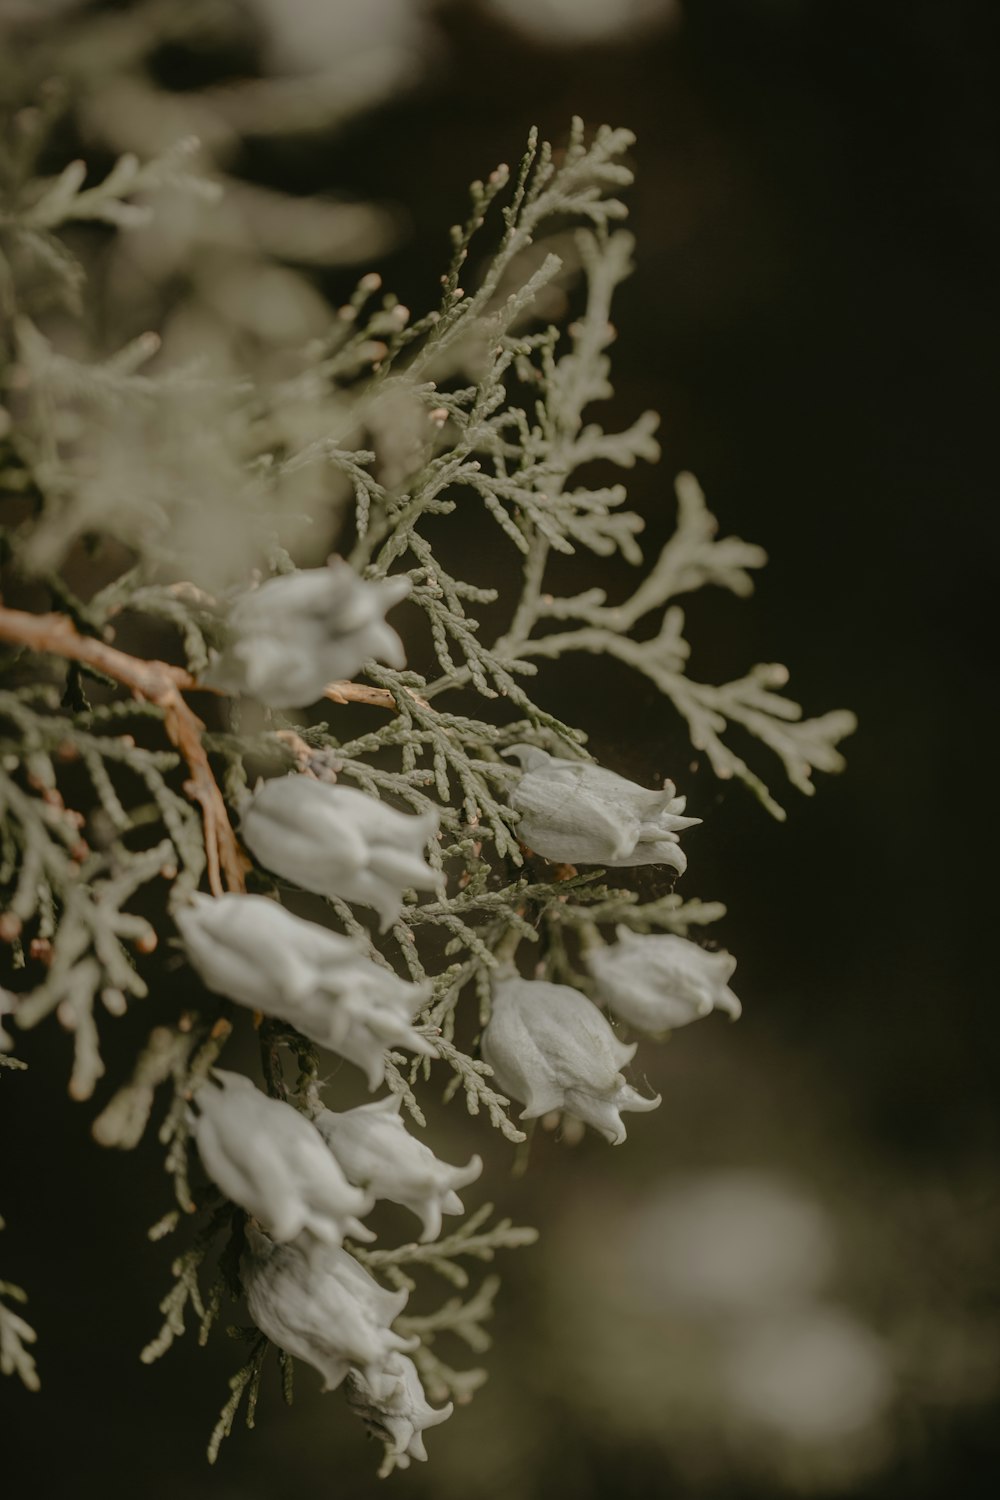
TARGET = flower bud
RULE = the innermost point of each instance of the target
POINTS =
(270, 1160)
(324, 1308)
(661, 981)
(337, 841)
(577, 813)
(550, 1048)
(298, 632)
(257, 953)
(378, 1153)
(393, 1406)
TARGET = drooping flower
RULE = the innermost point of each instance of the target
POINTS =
(338, 841)
(254, 951)
(660, 981)
(550, 1048)
(269, 1159)
(578, 813)
(378, 1153)
(296, 633)
(394, 1407)
(324, 1308)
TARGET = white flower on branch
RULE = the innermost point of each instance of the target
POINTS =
(378, 1153)
(295, 634)
(660, 981)
(550, 1048)
(393, 1405)
(252, 950)
(337, 841)
(271, 1161)
(324, 1308)
(578, 813)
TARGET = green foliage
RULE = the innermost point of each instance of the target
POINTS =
(15, 1336)
(165, 491)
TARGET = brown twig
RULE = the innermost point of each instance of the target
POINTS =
(360, 692)
(160, 683)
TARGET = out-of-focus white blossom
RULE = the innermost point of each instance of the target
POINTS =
(378, 1153)
(338, 841)
(394, 1406)
(550, 1048)
(324, 1308)
(270, 1160)
(8, 1005)
(728, 1245)
(815, 1375)
(295, 634)
(254, 951)
(660, 981)
(575, 22)
(578, 813)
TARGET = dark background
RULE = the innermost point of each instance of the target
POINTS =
(815, 211)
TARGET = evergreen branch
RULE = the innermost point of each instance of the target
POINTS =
(15, 1335)
(66, 199)
(186, 1289)
(441, 1254)
(464, 1320)
(246, 1382)
(161, 684)
(472, 1074)
(86, 954)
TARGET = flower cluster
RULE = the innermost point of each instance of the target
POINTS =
(549, 1046)
(367, 875)
(306, 1182)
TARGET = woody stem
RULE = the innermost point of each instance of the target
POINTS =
(160, 683)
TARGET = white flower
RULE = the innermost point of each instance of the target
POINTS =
(661, 981)
(296, 633)
(394, 1406)
(552, 1049)
(270, 1160)
(577, 813)
(324, 1308)
(337, 841)
(254, 951)
(378, 1153)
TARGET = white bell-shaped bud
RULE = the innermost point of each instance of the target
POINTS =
(379, 1154)
(578, 813)
(550, 1048)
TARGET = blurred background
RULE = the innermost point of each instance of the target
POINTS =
(784, 1283)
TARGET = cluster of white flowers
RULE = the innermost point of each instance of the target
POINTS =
(549, 1046)
(307, 1182)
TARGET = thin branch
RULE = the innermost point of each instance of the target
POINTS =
(360, 692)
